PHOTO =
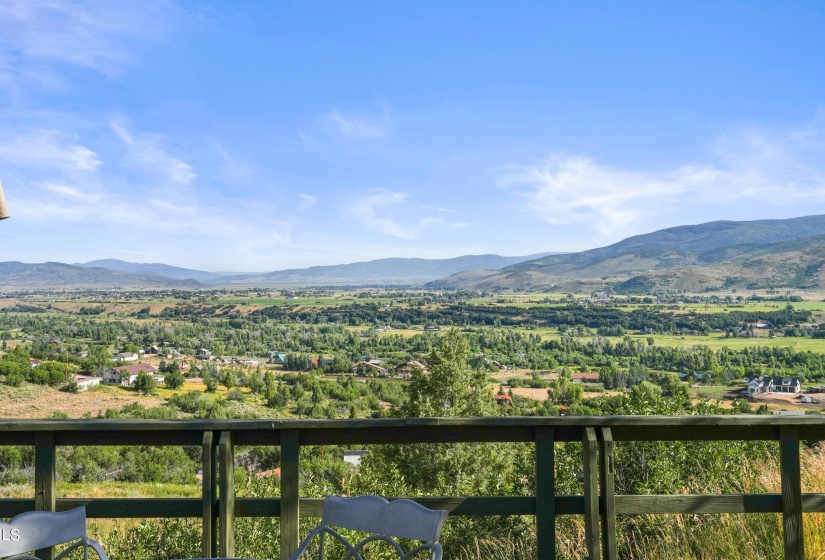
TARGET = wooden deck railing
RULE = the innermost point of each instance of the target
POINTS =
(218, 505)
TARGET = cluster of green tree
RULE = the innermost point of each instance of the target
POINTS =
(15, 368)
(644, 320)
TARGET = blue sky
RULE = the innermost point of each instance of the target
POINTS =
(258, 135)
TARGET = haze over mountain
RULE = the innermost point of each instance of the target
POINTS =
(111, 273)
(159, 269)
(41, 276)
(715, 255)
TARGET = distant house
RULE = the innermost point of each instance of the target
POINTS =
(589, 377)
(769, 384)
(153, 350)
(505, 400)
(276, 357)
(126, 375)
(370, 368)
(432, 328)
(83, 354)
(84, 382)
(203, 354)
(247, 362)
(354, 456)
(34, 362)
(405, 370)
(125, 357)
(765, 325)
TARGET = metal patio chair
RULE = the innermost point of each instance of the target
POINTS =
(385, 520)
(34, 530)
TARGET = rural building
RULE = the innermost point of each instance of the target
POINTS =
(85, 382)
(589, 377)
(125, 357)
(353, 457)
(34, 362)
(769, 384)
(126, 375)
(276, 357)
(203, 354)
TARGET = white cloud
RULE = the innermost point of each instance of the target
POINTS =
(359, 127)
(306, 201)
(745, 167)
(145, 153)
(390, 213)
(372, 211)
(461, 225)
(37, 35)
(49, 148)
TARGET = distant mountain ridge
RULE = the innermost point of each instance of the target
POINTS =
(382, 271)
(716, 255)
(158, 269)
(114, 273)
(16, 276)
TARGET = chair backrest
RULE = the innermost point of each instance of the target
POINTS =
(404, 519)
(34, 530)
(383, 521)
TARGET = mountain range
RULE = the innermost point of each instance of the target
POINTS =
(113, 273)
(746, 255)
(712, 256)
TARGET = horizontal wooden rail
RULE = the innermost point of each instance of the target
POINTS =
(218, 505)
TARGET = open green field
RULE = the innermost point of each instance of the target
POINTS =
(304, 302)
(717, 341)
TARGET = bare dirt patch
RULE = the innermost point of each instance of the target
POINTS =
(34, 401)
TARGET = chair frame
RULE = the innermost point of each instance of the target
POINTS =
(374, 514)
(36, 530)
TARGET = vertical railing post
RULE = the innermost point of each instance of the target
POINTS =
(545, 493)
(226, 458)
(45, 459)
(591, 493)
(608, 493)
(290, 457)
(209, 494)
(789, 469)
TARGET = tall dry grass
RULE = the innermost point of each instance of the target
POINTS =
(756, 536)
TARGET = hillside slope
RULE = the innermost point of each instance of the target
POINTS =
(716, 255)
(23, 276)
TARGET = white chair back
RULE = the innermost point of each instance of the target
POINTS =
(34, 530)
(383, 520)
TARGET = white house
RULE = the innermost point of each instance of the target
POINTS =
(85, 382)
(126, 375)
(769, 384)
(125, 357)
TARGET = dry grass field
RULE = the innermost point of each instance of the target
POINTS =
(36, 401)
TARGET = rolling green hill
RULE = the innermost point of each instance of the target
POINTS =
(712, 256)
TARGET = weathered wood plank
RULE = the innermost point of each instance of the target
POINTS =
(290, 493)
(209, 495)
(591, 493)
(789, 470)
(129, 508)
(45, 463)
(607, 497)
(545, 493)
(226, 489)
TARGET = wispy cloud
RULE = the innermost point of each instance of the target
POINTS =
(50, 148)
(371, 211)
(146, 153)
(307, 201)
(783, 168)
(359, 126)
(92, 34)
(379, 212)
